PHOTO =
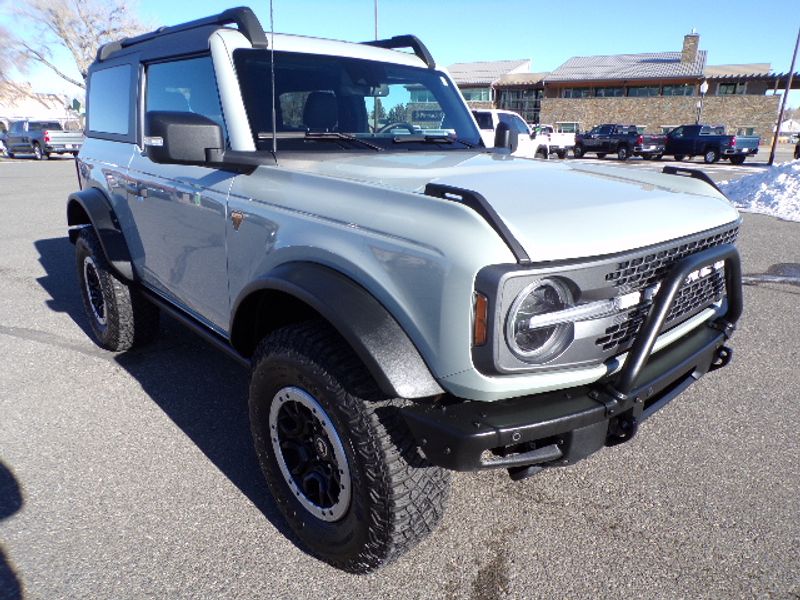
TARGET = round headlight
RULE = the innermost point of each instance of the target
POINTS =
(539, 343)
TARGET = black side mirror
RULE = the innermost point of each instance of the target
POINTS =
(181, 138)
(504, 137)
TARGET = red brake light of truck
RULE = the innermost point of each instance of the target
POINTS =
(640, 140)
(732, 143)
(47, 136)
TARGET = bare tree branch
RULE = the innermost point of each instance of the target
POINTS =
(78, 26)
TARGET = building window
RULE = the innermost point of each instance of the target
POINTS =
(421, 96)
(745, 131)
(609, 92)
(644, 91)
(577, 92)
(679, 90)
(730, 89)
(567, 127)
(525, 102)
(476, 94)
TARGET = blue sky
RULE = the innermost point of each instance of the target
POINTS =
(547, 32)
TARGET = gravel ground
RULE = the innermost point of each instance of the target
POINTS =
(132, 475)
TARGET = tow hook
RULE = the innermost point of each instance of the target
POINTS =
(723, 357)
(622, 429)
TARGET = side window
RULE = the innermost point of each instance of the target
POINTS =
(604, 130)
(677, 132)
(522, 128)
(514, 122)
(484, 119)
(184, 86)
(110, 101)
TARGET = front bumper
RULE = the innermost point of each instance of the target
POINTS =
(562, 427)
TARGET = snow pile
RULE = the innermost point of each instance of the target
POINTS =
(774, 191)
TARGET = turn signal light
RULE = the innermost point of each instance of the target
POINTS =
(480, 321)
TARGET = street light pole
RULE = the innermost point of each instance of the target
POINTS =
(783, 102)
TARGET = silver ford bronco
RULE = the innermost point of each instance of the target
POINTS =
(408, 302)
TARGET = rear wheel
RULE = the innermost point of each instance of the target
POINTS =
(710, 156)
(118, 316)
(623, 153)
(338, 457)
(737, 160)
(37, 151)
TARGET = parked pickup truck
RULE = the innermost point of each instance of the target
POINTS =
(43, 138)
(623, 140)
(530, 144)
(557, 143)
(407, 304)
(711, 143)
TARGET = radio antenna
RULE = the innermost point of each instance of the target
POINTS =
(272, 76)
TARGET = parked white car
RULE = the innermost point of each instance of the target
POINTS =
(530, 144)
(557, 142)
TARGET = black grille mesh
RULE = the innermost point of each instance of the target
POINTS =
(643, 271)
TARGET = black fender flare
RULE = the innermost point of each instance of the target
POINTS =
(371, 331)
(96, 205)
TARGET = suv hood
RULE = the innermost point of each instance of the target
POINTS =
(557, 210)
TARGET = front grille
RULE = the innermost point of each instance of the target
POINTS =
(643, 271)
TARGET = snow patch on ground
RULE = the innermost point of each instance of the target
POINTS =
(775, 191)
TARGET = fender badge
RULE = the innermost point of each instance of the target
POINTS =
(237, 218)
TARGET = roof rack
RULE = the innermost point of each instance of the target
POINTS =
(406, 41)
(243, 17)
(694, 174)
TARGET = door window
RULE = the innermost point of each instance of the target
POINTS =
(515, 123)
(185, 86)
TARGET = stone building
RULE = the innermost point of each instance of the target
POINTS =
(655, 91)
(475, 79)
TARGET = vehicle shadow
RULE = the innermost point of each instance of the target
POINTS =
(10, 503)
(199, 388)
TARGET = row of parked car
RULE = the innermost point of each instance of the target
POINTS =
(624, 141)
(41, 138)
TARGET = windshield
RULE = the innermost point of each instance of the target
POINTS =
(335, 99)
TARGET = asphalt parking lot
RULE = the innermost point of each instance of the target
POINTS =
(133, 475)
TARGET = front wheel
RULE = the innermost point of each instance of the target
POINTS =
(118, 316)
(338, 457)
(577, 152)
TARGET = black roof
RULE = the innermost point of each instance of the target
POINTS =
(186, 38)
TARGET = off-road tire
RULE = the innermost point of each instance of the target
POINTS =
(397, 497)
(128, 319)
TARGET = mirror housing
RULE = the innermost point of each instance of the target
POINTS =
(181, 138)
(504, 137)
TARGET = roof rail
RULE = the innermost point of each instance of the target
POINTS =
(406, 41)
(243, 17)
(694, 174)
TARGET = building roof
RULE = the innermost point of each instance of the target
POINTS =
(484, 73)
(520, 79)
(736, 70)
(649, 65)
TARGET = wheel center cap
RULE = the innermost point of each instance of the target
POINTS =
(321, 447)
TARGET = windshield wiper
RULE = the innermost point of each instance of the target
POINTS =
(339, 136)
(430, 139)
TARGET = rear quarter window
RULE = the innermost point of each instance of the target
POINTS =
(484, 120)
(109, 103)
